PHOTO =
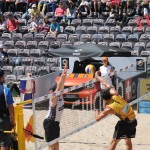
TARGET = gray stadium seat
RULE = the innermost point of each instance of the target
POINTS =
(5, 37)
(10, 78)
(50, 14)
(31, 69)
(121, 38)
(148, 46)
(19, 70)
(127, 45)
(78, 43)
(66, 43)
(144, 38)
(8, 70)
(133, 38)
(103, 30)
(139, 46)
(15, 61)
(50, 37)
(110, 22)
(69, 30)
(138, 30)
(115, 44)
(80, 30)
(85, 38)
(115, 30)
(127, 30)
(52, 62)
(12, 52)
(62, 38)
(35, 53)
(28, 37)
(103, 43)
(39, 61)
(44, 70)
(76, 22)
(43, 45)
(108, 38)
(20, 44)
(8, 44)
(27, 61)
(17, 37)
(22, 22)
(147, 30)
(45, 53)
(97, 38)
(92, 30)
(31, 45)
(144, 22)
(23, 29)
(55, 44)
(23, 52)
(98, 22)
(18, 15)
(87, 22)
(132, 22)
(39, 37)
(74, 37)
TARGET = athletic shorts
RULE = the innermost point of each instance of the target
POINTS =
(5, 138)
(52, 129)
(125, 130)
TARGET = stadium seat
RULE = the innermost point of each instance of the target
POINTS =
(97, 38)
(110, 22)
(92, 30)
(103, 30)
(103, 43)
(127, 45)
(74, 37)
(98, 22)
(85, 38)
(35, 52)
(19, 70)
(127, 30)
(23, 29)
(55, 44)
(18, 15)
(62, 38)
(15, 61)
(31, 45)
(148, 46)
(52, 62)
(138, 30)
(5, 37)
(20, 44)
(121, 38)
(31, 69)
(39, 61)
(39, 37)
(115, 44)
(108, 38)
(50, 37)
(12, 52)
(133, 38)
(144, 38)
(16, 37)
(144, 22)
(50, 14)
(44, 53)
(43, 45)
(66, 43)
(139, 46)
(80, 30)
(22, 22)
(76, 22)
(23, 52)
(44, 70)
(28, 37)
(78, 43)
(115, 30)
(147, 30)
(8, 70)
(87, 22)
(69, 30)
(8, 44)
(10, 78)
(27, 61)
(132, 22)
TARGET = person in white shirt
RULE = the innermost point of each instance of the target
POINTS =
(33, 26)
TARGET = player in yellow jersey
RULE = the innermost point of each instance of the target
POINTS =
(115, 104)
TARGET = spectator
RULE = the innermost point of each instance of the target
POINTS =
(21, 5)
(10, 6)
(12, 24)
(2, 24)
(60, 12)
(51, 6)
(35, 12)
(7, 120)
(54, 27)
(45, 27)
(33, 26)
(71, 12)
(3, 56)
(97, 5)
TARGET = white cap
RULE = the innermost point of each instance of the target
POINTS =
(1, 46)
(34, 5)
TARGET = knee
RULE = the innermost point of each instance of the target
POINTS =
(128, 142)
(114, 142)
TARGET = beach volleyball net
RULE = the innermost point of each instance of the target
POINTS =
(75, 119)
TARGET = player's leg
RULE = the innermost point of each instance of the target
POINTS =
(128, 144)
(113, 144)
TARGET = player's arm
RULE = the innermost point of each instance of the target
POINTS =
(104, 113)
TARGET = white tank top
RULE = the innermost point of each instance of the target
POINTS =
(105, 73)
(55, 113)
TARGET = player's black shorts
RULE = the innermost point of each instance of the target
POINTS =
(125, 129)
(52, 129)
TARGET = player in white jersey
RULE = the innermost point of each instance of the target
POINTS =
(53, 117)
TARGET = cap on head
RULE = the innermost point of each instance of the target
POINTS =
(34, 6)
(106, 95)
(1, 73)
(1, 46)
(104, 58)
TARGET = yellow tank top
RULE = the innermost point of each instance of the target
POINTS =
(121, 108)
